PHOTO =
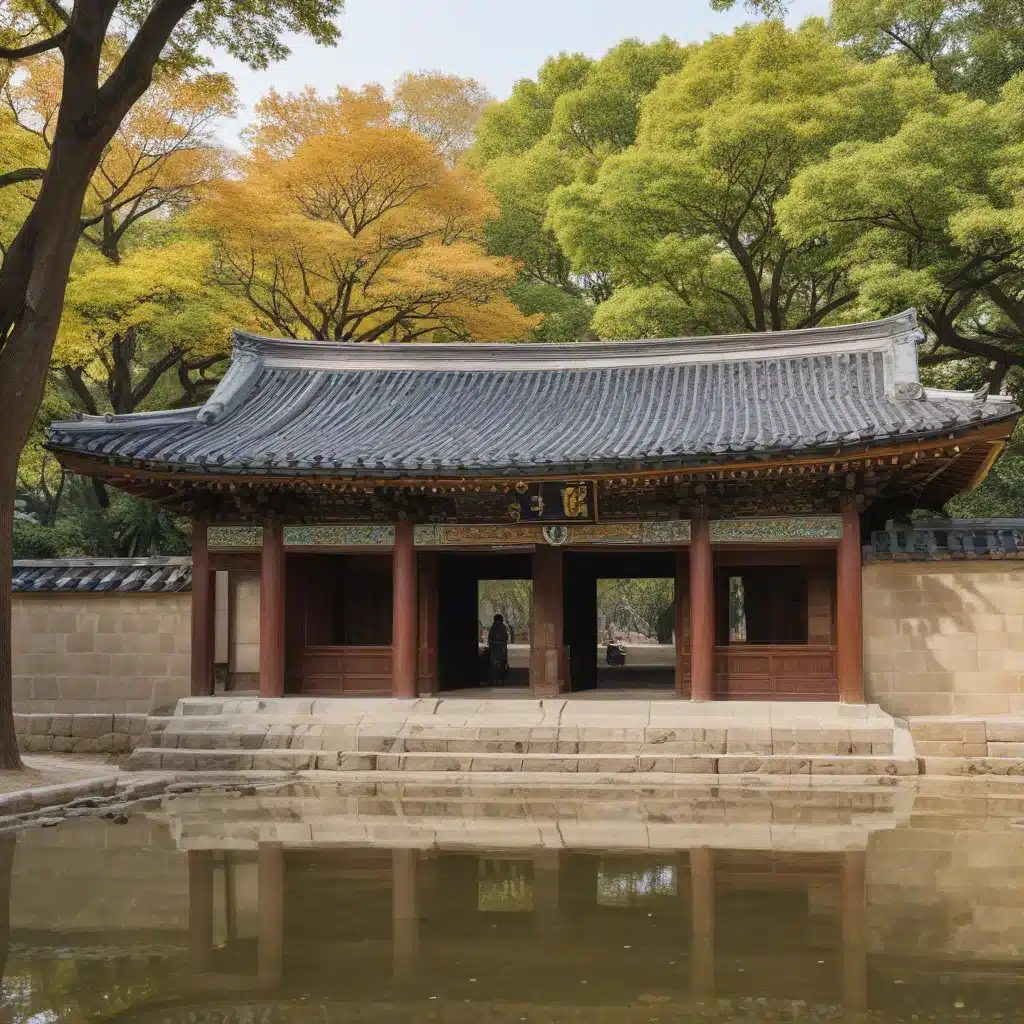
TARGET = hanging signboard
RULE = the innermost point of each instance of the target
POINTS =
(553, 501)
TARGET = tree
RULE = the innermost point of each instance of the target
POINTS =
(345, 224)
(766, 8)
(153, 314)
(971, 46)
(684, 223)
(552, 132)
(94, 102)
(931, 216)
(444, 109)
(162, 152)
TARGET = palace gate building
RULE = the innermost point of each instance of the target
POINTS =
(372, 486)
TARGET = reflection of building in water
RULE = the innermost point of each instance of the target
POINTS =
(625, 885)
(721, 912)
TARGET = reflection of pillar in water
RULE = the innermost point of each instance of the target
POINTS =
(702, 921)
(270, 941)
(545, 891)
(404, 912)
(854, 930)
(200, 910)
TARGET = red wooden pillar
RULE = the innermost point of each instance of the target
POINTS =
(849, 611)
(200, 910)
(429, 623)
(853, 902)
(702, 921)
(272, 611)
(548, 664)
(270, 908)
(202, 613)
(702, 610)
(680, 629)
(403, 613)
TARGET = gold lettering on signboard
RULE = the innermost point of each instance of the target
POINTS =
(574, 501)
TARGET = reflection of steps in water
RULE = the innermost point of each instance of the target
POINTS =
(499, 816)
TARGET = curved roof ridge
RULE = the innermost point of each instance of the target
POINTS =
(510, 355)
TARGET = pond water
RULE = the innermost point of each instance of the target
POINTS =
(413, 902)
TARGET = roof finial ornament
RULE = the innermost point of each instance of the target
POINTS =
(981, 395)
(908, 389)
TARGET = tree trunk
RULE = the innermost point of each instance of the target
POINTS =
(32, 285)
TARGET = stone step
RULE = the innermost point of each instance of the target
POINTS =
(498, 737)
(238, 759)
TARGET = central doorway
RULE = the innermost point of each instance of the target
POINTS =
(472, 588)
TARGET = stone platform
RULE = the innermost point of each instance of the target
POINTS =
(526, 735)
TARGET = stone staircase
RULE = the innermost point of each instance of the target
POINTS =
(526, 735)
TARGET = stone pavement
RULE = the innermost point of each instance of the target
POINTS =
(51, 781)
(526, 735)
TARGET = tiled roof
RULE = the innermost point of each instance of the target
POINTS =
(424, 410)
(149, 575)
(942, 539)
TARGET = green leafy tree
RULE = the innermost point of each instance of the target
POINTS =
(552, 132)
(684, 223)
(971, 46)
(94, 101)
(931, 216)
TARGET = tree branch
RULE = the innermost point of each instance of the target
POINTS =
(20, 175)
(21, 52)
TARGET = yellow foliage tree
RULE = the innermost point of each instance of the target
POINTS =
(162, 152)
(344, 223)
(128, 324)
(444, 109)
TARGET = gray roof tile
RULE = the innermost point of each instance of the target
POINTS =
(103, 575)
(475, 409)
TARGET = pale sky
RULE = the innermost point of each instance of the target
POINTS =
(493, 41)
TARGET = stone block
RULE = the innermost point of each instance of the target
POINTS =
(60, 725)
(375, 741)
(621, 764)
(178, 760)
(496, 763)
(63, 745)
(1005, 730)
(771, 765)
(78, 643)
(352, 762)
(222, 760)
(35, 743)
(1007, 749)
(542, 763)
(282, 760)
(40, 724)
(91, 726)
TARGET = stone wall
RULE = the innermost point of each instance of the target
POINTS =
(87, 733)
(243, 641)
(109, 653)
(943, 637)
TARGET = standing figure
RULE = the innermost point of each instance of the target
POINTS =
(497, 649)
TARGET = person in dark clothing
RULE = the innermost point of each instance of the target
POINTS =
(497, 649)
